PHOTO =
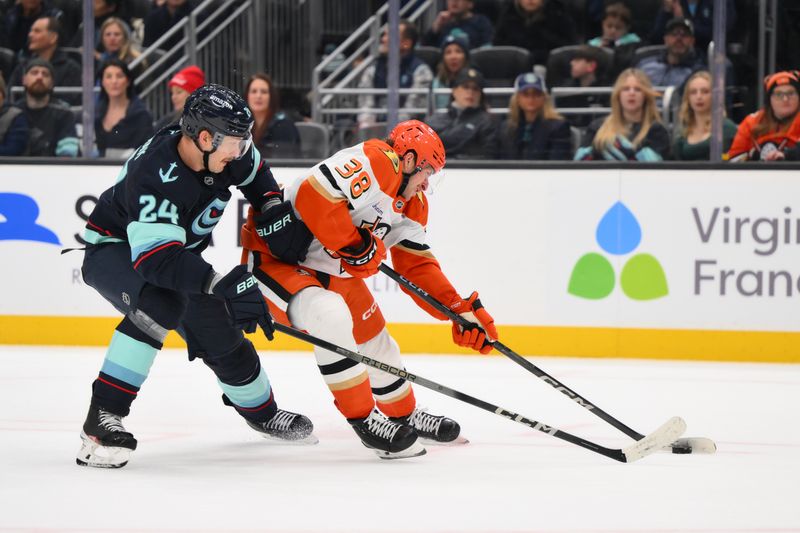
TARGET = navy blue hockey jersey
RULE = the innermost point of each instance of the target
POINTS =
(166, 212)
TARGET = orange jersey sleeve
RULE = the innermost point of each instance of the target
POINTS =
(325, 215)
(421, 267)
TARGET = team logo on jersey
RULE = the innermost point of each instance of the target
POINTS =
(392, 155)
(642, 277)
(167, 176)
(205, 221)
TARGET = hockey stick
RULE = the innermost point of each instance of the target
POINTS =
(686, 445)
(668, 432)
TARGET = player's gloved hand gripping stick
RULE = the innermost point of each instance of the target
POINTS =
(684, 445)
(243, 300)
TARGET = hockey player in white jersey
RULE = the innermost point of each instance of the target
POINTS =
(357, 204)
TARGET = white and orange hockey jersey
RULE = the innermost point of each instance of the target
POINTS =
(357, 187)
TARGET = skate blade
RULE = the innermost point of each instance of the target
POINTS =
(415, 450)
(458, 441)
(97, 456)
(305, 441)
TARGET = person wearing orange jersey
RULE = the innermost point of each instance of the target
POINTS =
(770, 132)
(357, 204)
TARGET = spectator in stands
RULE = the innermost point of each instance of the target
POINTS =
(616, 28)
(455, 57)
(459, 16)
(274, 133)
(102, 11)
(584, 73)
(679, 60)
(617, 35)
(18, 21)
(115, 41)
(770, 132)
(13, 126)
(633, 131)
(534, 129)
(536, 25)
(180, 86)
(52, 125)
(122, 121)
(163, 17)
(414, 74)
(691, 138)
(467, 129)
(43, 44)
(700, 13)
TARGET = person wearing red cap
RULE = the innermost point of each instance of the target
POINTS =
(181, 85)
(768, 133)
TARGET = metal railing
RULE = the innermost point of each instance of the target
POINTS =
(365, 39)
(218, 36)
(665, 103)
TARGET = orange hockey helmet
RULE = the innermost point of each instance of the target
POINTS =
(418, 137)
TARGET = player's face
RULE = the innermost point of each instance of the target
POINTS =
(258, 96)
(699, 91)
(784, 101)
(114, 82)
(112, 38)
(418, 182)
(631, 97)
(178, 97)
(229, 149)
(454, 58)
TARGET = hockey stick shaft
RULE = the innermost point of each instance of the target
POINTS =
(508, 352)
(626, 455)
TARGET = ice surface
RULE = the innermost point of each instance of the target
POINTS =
(200, 468)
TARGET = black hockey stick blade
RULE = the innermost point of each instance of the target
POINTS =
(668, 432)
(690, 445)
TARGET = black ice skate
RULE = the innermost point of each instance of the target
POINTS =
(105, 442)
(388, 439)
(286, 426)
(432, 428)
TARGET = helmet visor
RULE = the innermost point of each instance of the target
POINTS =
(235, 147)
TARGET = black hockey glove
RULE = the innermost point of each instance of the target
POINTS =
(287, 236)
(244, 301)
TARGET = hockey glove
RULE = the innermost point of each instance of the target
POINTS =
(244, 301)
(479, 336)
(362, 261)
(287, 236)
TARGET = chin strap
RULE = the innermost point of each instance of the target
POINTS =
(206, 154)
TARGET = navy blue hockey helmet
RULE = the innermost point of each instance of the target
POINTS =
(217, 109)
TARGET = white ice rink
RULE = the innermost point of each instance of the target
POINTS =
(200, 468)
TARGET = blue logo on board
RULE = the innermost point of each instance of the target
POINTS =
(18, 214)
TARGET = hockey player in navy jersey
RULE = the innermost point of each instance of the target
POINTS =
(145, 237)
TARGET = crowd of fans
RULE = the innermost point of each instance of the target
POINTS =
(531, 126)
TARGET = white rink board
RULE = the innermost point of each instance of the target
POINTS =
(514, 235)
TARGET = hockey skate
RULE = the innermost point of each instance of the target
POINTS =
(431, 428)
(286, 426)
(388, 439)
(105, 442)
